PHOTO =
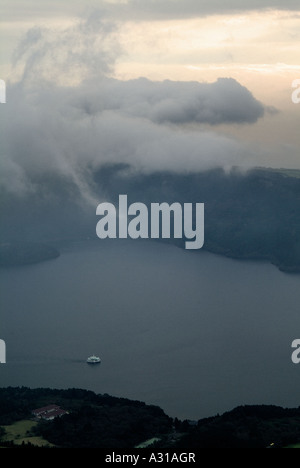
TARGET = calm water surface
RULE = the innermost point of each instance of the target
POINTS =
(194, 333)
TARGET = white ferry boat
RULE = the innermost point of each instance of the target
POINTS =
(93, 359)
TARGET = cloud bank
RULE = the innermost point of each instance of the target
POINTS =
(70, 132)
(58, 135)
(224, 101)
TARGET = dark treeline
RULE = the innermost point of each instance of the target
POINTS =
(254, 426)
(93, 420)
(103, 421)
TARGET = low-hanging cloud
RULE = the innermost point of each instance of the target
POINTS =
(60, 134)
(54, 131)
(225, 101)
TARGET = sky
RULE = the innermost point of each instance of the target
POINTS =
(181, 85)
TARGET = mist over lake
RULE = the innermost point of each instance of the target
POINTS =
(194, 333)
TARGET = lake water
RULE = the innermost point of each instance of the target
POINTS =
(195, 333)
